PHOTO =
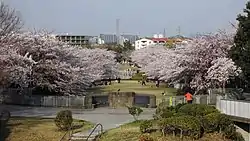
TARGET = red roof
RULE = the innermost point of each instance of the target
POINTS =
(159, 39)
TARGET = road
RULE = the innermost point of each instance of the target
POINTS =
(109, 118)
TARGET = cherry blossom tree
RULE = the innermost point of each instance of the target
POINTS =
(147, 55)
(40, 60)
(202, 63)
(9, 24)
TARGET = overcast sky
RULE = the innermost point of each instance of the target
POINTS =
(143, 17)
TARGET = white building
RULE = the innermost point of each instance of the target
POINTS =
(142, 43)
(158, 39)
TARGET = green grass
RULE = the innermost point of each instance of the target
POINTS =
(134, 86)
(126, 66)
(131, 132)
(38, 129)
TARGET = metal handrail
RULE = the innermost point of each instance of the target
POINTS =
(99, 124)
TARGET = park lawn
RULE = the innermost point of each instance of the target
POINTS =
(38, 129)
(131, 132)
(126, 66)
(134, 86)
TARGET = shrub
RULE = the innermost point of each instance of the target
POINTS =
(197, 109)
(210, 122)
(163, 105)
(224, 123)
(135, 111)
(231, 133)
(236, 136)
(218, 122)
(64, 120)
(183, 125)
(146, 126)
(145, 137)
(164, 111)
(178, 106)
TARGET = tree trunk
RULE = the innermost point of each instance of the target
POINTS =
(163, 132)
(135, 118)
(224, 89)
(181, 134)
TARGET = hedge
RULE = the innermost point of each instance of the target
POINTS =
(197, 109)
(146, 126)
(182, 125)
(64, 120)
(164, 111)
(193, 120)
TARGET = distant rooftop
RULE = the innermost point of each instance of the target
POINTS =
(158, 39)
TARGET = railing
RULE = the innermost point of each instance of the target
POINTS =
(236, 108)
(198, 99)
(99, 124)
(12, 96)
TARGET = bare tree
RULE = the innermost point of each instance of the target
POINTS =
(10, 22)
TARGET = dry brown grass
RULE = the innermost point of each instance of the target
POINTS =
(37, 129)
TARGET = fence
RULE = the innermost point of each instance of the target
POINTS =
(198, 99)
(11, 96)
(236, 108)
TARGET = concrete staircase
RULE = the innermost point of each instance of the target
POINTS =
(92, 134)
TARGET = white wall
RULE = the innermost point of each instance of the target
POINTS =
(234, 108)
(142, 43)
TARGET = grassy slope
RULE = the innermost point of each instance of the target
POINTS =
(37, 129)
(130, 132)
(134, 86)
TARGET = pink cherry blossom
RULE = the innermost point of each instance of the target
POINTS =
(40, 60)
(202, 63)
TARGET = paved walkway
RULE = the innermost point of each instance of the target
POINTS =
(109, 118)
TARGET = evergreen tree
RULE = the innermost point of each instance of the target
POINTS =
(240, 52)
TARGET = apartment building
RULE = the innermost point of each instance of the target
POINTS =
(75, 39)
